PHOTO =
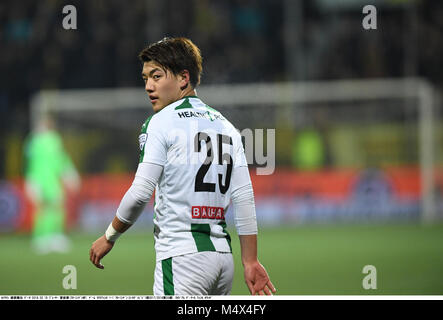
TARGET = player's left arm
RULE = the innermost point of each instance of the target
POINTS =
(130, 208)
(103, 245)
(152, 159)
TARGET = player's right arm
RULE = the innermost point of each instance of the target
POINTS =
(255, 274)
(242, 196)
(256, 277)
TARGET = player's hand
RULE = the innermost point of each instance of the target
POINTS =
(257, 279)
(99, 249)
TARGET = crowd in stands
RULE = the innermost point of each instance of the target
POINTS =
(241, 41)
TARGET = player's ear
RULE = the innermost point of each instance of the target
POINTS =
(185, 79)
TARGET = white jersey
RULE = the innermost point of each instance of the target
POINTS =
(198, 149)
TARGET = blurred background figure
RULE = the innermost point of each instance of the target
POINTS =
(48, 170)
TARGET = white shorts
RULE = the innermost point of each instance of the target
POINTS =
(201, 273)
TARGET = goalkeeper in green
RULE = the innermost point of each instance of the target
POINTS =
(48, 169)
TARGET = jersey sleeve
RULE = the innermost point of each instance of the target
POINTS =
(239, 152)
(152, 142)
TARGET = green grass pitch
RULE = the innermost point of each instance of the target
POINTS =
(301, 260)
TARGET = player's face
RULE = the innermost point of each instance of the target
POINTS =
(162, 86)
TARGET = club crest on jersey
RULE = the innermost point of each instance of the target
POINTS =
(142, 140)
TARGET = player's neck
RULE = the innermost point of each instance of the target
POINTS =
(186, 93)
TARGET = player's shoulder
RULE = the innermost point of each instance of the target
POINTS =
(213, 114)
(190, 107)
(194, 107)
(156, 121)
(146, 123)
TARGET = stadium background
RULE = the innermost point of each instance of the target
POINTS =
(346, 191)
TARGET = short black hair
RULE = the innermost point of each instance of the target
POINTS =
(175, 55)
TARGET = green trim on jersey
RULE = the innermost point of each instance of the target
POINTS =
(185, 105)
(143, 130)
(201, 234)
(228, 236)
(211, 109)
(168, 280)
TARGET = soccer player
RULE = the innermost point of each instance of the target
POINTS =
(48, 169)
(194, 159)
